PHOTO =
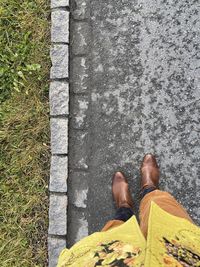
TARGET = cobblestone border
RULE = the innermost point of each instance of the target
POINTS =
(78, 12)
(59, 111)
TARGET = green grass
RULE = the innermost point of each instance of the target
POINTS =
(24, 132)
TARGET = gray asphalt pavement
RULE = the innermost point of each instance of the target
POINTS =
(144, 96)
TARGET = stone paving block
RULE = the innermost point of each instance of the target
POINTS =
(58, 174)
(80, 38)
(55, 246)
(79, 229)
(59, 135)
(79, 154)
(59, 3)
(60, 60)
(60, 26)
(59, 98)
(58, 215)
(78, 189)
(80, 112)
(80, 74)
(80, 9)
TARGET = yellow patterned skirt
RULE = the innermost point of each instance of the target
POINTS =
(171, 241)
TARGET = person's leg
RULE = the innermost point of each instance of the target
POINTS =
(123, 214)
(165, 201)
(150, 192)
(123, 201)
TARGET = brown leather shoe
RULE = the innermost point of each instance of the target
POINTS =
(149, 172)
(120, 190)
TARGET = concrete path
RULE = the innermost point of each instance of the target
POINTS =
(136, 89)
